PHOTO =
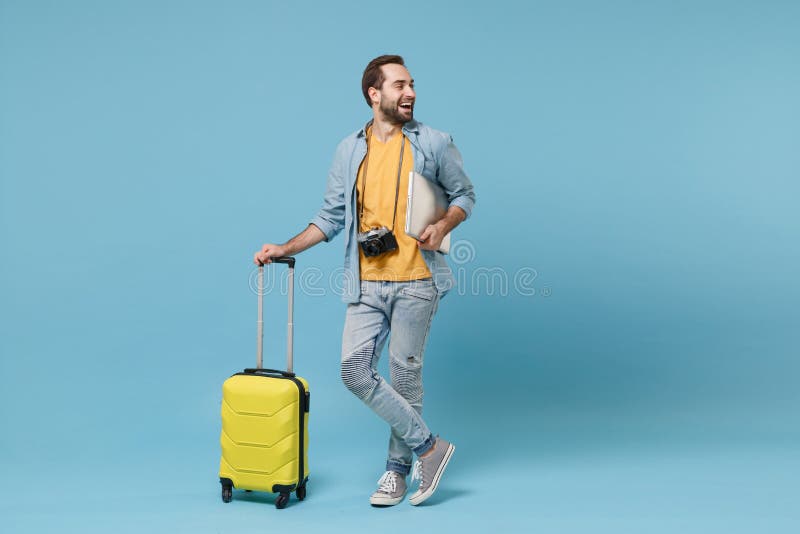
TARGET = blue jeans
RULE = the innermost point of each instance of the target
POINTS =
(406, 309)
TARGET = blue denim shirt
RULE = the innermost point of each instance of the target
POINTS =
(435, 157)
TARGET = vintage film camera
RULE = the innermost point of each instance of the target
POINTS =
(377, 241)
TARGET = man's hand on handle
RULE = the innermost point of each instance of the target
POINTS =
(267, 252)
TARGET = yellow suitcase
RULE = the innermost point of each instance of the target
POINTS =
(264, 436)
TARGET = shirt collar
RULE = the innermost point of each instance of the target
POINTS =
(411, 126)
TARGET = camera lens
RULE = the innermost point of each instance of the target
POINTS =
(372, 247)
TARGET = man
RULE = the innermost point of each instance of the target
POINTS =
(390, 284)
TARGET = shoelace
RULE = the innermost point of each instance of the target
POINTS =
(416, 473)
(388, 482)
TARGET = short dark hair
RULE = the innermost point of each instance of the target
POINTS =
(373, 75)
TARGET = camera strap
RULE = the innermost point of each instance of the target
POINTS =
(397, 186)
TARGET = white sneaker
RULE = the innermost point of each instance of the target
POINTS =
(429, 470)
(391, 490)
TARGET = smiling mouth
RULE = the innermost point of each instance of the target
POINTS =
(408, 106)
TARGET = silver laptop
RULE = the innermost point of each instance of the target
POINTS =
(427, 203)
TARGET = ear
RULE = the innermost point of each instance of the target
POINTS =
(374, 95)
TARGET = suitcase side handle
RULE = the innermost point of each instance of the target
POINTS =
(289, 260)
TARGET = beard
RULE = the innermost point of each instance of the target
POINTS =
(394, 114)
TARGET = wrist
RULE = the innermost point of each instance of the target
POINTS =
(444, 225)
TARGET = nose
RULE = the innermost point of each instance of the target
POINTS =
(409, 92)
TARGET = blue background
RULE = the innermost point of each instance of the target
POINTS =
(642, 157)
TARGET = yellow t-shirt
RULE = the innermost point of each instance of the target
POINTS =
(406, 262)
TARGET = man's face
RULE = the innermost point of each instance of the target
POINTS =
(397, 94)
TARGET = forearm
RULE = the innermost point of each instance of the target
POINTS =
(454, 216)
(304, 240)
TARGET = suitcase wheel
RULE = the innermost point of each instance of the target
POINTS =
(301, 493)
(227, 494)
(282, 501)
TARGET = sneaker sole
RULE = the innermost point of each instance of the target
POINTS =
(422, 497)
(386, 501)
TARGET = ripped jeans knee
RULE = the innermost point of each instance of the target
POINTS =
(357, 372)
(406, 374)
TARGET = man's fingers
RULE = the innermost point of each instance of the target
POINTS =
(427, 238)
(425, 234)
(260, 258)
(267, 252)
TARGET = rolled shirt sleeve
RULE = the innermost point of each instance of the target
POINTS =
(330, 218)
(454, 180)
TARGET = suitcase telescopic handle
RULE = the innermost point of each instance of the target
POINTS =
(284, 259)
(289, 260)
